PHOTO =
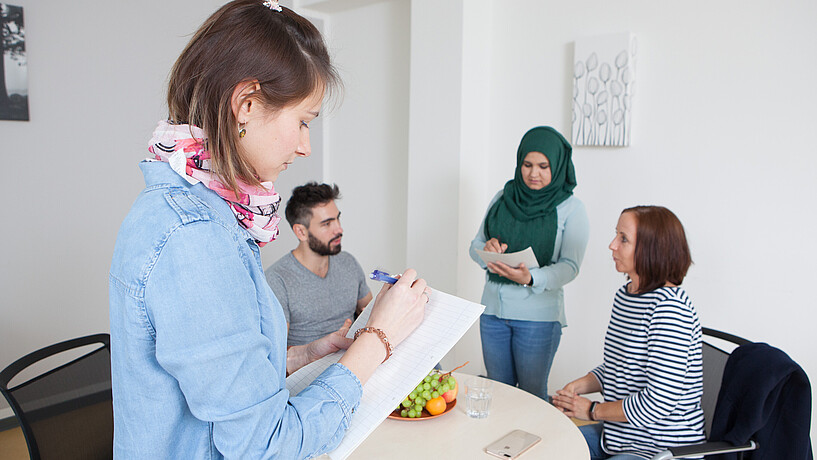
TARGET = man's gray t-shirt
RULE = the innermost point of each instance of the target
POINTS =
(315, 306)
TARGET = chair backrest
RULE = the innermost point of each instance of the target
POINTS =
(66, 411)
(715, 356)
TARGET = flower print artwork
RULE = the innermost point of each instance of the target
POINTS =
(603, 89)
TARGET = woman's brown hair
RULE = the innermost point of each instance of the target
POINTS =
(661, 250)
(245, 41)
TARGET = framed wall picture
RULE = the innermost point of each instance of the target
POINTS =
(13, 66)
(603, 90)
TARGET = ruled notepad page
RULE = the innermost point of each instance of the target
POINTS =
(447, 318)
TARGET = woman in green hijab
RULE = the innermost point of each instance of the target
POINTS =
(522, 323)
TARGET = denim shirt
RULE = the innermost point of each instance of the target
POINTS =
(544, 300)
(198, 339)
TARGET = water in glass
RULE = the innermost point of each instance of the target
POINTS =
(478, 398)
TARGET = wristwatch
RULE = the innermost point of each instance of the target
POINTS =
(593, 410)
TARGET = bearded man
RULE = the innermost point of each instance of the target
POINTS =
(319, 286)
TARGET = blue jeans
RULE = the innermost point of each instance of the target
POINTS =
(592, 435)
(519, 352)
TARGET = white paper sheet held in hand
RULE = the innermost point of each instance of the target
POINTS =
(447, 318)
(511, 259)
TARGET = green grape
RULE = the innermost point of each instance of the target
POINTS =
(426, 395)
(435, 394)
(412, 413)
(420, 400)
(419, 388)
(434, 383)
(426, 386)
(418, 408)
(406, 403)
(427, 378)
(452, 382)
(404, 413)
(444, 388)
(412, 395)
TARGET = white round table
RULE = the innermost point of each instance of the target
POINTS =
(454, 435)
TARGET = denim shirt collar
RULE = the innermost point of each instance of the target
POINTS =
(159, 174)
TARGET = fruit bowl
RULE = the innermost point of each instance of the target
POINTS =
(435, 395)
(425, 416)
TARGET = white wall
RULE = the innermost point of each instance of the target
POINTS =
(97, 73)
(434, 141)
(367, 135)
(475, 133)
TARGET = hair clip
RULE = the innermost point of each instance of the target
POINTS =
(273, 5)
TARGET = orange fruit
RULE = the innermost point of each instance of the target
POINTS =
(436, 406)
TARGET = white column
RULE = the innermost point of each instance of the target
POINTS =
(449, 136)
(434, 141)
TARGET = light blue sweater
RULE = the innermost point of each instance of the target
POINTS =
(544, 300)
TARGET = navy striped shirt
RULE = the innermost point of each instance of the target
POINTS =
(653, 362)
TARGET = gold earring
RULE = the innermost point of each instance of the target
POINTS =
(242, 131)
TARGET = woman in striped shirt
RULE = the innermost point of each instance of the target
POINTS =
(651, 377)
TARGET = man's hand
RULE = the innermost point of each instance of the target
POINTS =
(330, 343)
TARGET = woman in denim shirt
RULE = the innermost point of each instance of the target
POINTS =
(524, 315)
(198, 339)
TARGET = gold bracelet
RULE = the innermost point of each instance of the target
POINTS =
(380, 334)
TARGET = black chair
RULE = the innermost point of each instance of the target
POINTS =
(714, 361)
(65, 412)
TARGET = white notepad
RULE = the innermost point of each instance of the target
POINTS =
(511, 259)
(447, 318)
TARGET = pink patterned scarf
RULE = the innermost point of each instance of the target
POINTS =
(182, 147)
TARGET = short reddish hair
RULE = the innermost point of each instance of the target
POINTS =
(661, 250)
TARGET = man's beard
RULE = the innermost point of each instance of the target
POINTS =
(318, 247)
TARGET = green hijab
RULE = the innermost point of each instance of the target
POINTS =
(523, 217)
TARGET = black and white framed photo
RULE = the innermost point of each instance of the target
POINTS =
(13, 68)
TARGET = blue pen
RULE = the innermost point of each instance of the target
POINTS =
(378, 275)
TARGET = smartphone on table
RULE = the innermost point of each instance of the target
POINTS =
(512, 445)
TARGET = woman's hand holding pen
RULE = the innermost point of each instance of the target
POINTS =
(520, 274)
(493, 245)
(399, 308)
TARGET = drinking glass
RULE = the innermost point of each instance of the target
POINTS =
(478, 394)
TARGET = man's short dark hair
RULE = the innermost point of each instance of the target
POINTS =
(307, 196)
